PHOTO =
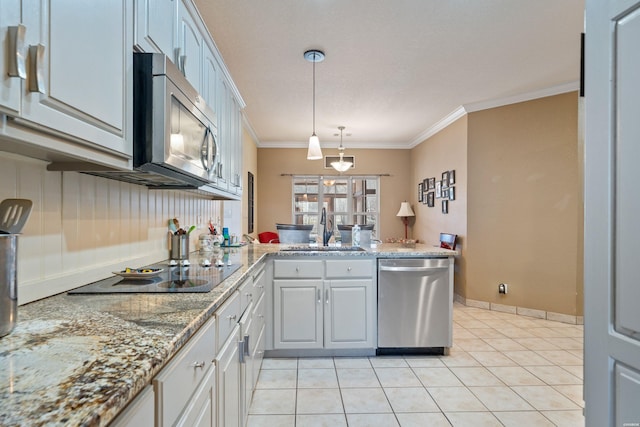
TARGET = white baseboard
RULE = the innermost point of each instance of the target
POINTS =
(520, 311)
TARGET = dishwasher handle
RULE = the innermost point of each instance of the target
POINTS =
(409, 269)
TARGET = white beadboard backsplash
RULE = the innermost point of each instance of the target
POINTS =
(83, 227)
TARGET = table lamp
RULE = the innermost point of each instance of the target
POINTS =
(405, 212)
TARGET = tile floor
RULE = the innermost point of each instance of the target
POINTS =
(503, 370)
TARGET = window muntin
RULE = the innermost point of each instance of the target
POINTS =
(348, 200)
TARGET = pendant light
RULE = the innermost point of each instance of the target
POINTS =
(314, 152)
(341, 165)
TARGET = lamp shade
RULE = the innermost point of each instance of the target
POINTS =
(405, 210)
(314, 152)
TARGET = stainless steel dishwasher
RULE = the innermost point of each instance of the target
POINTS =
(415, 305)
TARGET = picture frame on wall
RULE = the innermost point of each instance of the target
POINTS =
(420, 191)
(424, 197)
(445, 206)
(430, 199)
(425, 184)
(445, 193)
(445, 179)
(452, 193)
(452, 177)
(438, 189)
(432, 184)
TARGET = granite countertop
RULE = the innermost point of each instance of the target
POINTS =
(79, 359)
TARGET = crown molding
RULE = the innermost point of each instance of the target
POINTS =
(528, 96)
(440, 124)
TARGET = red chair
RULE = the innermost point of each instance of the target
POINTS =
(268, 237)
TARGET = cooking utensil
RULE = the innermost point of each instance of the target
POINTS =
(176, 223)
(193, 227)
(13, 215)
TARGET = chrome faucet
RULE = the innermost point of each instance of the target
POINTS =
(326, 235)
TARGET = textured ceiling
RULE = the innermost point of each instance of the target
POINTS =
(393, 68)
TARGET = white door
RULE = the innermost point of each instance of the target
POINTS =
(82, 60)
(297, 316)
(228, 365)
(612, 213)
(10, 51)
(154, 26)
(348, 316)
(189, 55)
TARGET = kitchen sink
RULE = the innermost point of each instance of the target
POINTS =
(323, 249)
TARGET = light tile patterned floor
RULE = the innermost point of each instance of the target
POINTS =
(503, 370)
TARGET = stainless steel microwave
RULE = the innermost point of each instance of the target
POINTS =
(175, 142)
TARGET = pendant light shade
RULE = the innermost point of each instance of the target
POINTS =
(314, 152)
(341, 165)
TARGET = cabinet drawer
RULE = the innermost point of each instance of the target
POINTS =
(349, 268)
(259, 280)
(227, 317)
(175, 384)
(294, 268)
(246, 294)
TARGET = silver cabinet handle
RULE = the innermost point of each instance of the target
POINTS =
(183, 64)
(297, 269)
(198, 365)
(16, 65)
(232, 317)
(246, 346)
(348, 268)
(241, 351)
(248, 294)
(260, 316)
(319, 296)
(260, 286)
(326, 296)
(36, 78)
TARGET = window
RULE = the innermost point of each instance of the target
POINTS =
(348, 200)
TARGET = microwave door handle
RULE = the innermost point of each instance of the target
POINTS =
(214, 150)
(204, 150)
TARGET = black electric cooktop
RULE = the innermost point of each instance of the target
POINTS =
(179, 278)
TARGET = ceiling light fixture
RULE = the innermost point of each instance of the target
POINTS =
(314, 152)
(341, 165)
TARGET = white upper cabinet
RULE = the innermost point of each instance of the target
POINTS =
(155, 25)
(12, 64)
(189, 52)
(79, 74)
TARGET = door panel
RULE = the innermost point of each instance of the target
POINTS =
(348, 313)
(627, 157)
(612, 206)
(298, 315)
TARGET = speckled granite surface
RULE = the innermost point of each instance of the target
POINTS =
(78, 360)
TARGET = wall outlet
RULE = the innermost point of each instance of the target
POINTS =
(502, 288)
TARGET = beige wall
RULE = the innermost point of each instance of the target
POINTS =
(524, 205)
(275, 190)
(447, 150)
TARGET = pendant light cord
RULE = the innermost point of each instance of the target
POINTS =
(314, 93)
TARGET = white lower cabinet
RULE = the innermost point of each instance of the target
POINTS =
(336, 311)
(228, 363)
(184, 389)
(139, 413)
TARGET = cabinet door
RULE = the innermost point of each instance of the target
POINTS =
(228, 365)
(155, 25)
(297, 314)
(83, 71)
(349, 318)
(236, 147)
(10, 87)
(138, 413)
(222, 112)
(188, 56)
(201, 411)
